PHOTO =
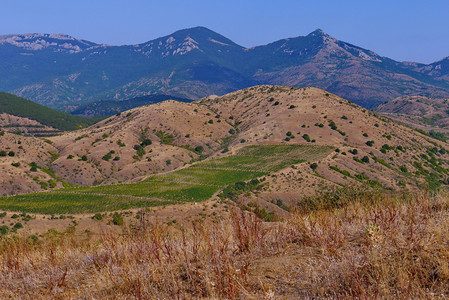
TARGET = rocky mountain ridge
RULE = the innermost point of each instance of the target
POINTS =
(63, 72)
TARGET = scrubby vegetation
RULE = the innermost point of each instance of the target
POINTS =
(371, 244)
(196, 183)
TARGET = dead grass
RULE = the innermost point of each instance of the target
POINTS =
(387, 246)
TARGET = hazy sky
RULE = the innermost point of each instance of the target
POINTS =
(403, 30)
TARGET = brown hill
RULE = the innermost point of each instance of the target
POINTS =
(25, 126)
(16, 154)
(115, 149)
(418, 111)
(168, 135)
(394, 153)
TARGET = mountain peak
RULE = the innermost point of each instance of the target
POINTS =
(318, 32)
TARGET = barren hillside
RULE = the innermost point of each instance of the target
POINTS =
(166, 136)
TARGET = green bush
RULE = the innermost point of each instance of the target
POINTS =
(97, 217)
(4, 230)
(199, 149)
(117, 219)
(18, 225)
(146, 142)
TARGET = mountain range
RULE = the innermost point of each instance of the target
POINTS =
(62, 72)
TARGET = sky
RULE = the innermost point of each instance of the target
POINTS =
(402, 30)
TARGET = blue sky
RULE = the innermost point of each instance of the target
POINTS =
(403, 30)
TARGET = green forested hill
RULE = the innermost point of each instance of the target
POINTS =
(21, 107)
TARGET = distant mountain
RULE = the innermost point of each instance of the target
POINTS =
(63, 72)
(112, 107)
(19, 107)
(438, 70)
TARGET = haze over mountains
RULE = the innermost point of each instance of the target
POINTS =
(63, 72)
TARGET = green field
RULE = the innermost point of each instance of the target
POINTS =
(195, 183)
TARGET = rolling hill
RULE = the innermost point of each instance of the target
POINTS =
(20, 107)
(111, 107)
(429, 114)
(148, 153)
(63, 72)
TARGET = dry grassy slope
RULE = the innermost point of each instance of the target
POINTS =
(265, 114)
(21, 179)
(26, 126)
(418, 111)
(187, 123)
(259, 115)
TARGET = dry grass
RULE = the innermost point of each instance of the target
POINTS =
(382, 247)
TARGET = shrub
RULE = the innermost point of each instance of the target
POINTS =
(365, 159)
(97, 217)
(370, 143)
(117, 219)
(199, 149)
(313, 166)
(140, 150)
(353, 151)
(3, 153)
(18, 225)
(306, 137)
(4, 230)
(52, 184)
(11, 153)
(33, 166)
(146, 142)
(107, 156)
